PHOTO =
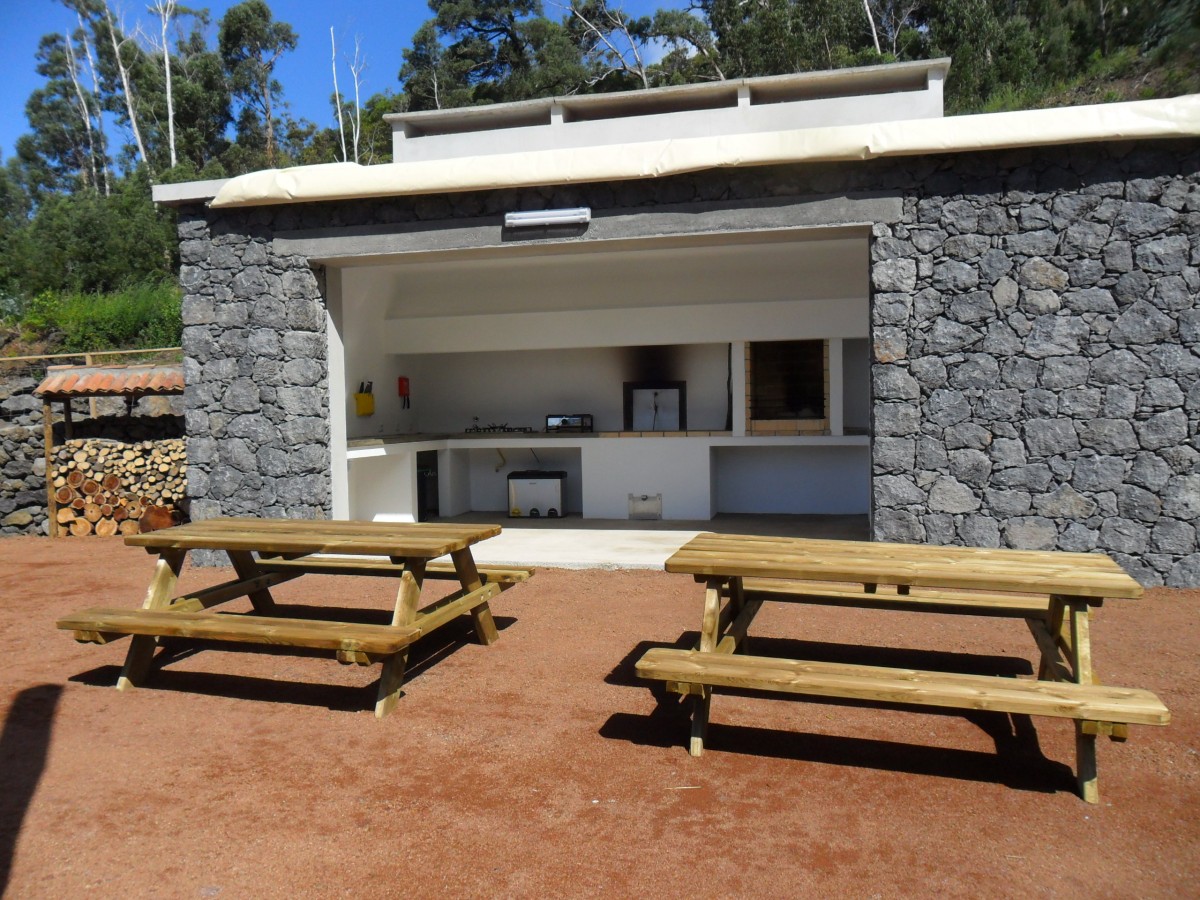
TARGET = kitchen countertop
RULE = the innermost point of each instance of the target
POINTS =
(375, 441)
(378, 440)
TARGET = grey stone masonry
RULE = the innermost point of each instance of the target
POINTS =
(1053, 334)
(1035, 327)
(257, 399)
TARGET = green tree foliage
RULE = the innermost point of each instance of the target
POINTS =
(63, 148)
(775, 37)
(434, 78)
(489, 51)
(251, 42)
(85, 241)
(77, 227)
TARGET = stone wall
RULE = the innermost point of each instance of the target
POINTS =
(22, 459)
(1037, 383)
(1034, 317)
(257, 404)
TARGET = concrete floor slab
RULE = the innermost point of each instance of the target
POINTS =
(572, 542)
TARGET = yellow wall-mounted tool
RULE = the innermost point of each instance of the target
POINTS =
(364, 400)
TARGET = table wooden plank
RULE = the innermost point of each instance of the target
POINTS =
(234, 524)
(732, 548)
(736, 545)
(1078, 574)
(315, 536)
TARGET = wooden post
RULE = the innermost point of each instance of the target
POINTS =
(48, 450)
(68, 425)
(90, 360)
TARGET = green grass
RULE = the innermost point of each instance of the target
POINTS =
(141, 315)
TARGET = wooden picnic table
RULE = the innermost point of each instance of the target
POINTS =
(1054, 592)
(268, 552)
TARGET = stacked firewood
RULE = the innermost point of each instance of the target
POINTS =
(105, 487)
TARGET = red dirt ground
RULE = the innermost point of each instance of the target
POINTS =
(540, 766)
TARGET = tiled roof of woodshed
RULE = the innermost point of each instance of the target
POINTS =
(111, 381)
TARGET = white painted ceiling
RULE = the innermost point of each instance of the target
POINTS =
(614, 275)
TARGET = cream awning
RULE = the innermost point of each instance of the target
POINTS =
(1145, 119)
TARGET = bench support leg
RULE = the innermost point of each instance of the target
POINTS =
(246, 568)
(700, 707)
(158, 596)
(468, 577)
(1085, 765)
(737, 600)
(390, 680)
(710, 633)
(392, 676)
(1076, 614)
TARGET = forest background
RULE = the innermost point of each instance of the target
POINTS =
(87, 262)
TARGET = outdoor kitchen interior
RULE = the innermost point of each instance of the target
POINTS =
(673, 378)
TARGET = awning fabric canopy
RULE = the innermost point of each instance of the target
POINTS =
(1145, 119)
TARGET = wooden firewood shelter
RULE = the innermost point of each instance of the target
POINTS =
(64, 384)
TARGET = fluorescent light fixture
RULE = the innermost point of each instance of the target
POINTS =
(580, 215)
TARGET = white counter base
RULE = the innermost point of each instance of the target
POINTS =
(697, 476)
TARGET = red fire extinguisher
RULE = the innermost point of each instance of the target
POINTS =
(403, 390)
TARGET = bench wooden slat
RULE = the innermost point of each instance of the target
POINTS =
(856, 682)
(504, 575)
(888, 597)
(314, 633)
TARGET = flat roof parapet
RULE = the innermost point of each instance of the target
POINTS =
(854, 96)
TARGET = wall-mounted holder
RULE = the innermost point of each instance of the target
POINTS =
(645, 506)
(364, 404)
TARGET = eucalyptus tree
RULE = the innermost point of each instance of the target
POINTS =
(251, 43)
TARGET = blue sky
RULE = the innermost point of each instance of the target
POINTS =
(384, 25)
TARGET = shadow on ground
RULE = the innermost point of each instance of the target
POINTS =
(1018, 761)
(166, 676)
(24, 746)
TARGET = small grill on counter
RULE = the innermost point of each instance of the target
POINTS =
(580, 423)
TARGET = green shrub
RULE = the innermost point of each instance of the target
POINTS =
(145, 314)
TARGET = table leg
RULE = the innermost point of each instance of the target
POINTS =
(407, 597)
(468, 577)
(1081, 665)
(247, 567)
(737, 600)
(710, 628)
(158, 596)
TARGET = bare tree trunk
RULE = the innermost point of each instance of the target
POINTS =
(125, 86)
(871, 22)
(270, 123)
(94, 106)
(337, 97)
(84, 109)
(617, 23)
(165, 10)
(356, 69)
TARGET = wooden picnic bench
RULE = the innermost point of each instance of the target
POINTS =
(1053, 592)
(268, 552)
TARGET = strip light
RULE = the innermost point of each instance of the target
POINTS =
(579, 215)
